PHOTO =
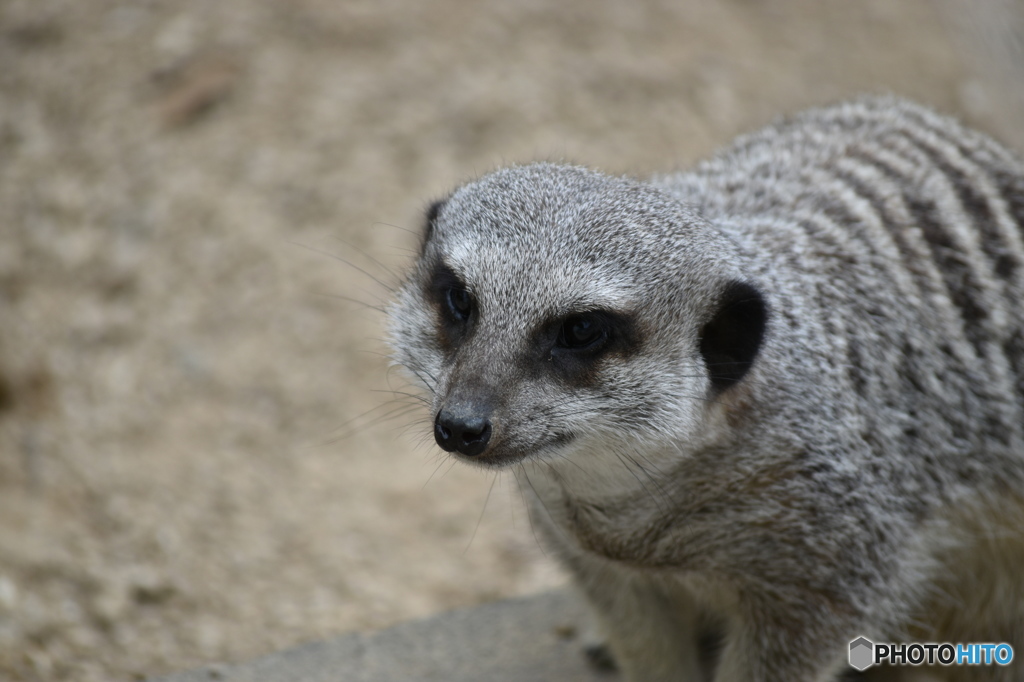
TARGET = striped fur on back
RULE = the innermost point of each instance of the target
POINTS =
(911, 228)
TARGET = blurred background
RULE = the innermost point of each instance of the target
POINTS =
(199, 456)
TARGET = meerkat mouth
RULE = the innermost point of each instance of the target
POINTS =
(497, 455)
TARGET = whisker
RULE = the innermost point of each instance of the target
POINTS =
(481, 517)
(341, 297)
(389, 288)
(529, 512)
(406, 394)
(366, 255)
(434, 473)
(397, 227)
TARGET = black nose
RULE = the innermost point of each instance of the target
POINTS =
(467, 434)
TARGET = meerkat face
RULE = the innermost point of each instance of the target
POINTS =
(554, 311)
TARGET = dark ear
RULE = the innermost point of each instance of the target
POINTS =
(428, 229)
(730, 341)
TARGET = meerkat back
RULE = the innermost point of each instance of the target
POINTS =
(760, 409)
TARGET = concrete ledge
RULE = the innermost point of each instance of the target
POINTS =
(519, 640)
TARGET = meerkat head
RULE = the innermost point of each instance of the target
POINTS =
(553, 310)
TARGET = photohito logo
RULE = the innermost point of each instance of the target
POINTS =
(864, 653)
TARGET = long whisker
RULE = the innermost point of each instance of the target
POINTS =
(340, 297)
(397, 227)
(481, 517)
(366, 255)
(389, 288)
(529, 512)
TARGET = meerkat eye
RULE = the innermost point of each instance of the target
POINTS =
(582, 332)
(459, 302)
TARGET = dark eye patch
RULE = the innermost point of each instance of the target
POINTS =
(575, 344)
(456, 305)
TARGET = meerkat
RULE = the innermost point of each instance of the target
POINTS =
(761, 408)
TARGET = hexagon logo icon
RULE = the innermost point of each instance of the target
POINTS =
(862, 653)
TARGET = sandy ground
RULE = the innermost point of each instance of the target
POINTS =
(199, 458)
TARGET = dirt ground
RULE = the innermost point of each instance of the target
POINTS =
(199, 457)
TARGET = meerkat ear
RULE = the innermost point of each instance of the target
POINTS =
(730, 341)
(431, 214)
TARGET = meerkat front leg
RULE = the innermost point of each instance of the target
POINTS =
(649, 624)
(791, 645)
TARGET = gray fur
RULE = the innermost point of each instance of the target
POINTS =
(864, 477)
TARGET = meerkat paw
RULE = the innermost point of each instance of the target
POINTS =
(600, 657)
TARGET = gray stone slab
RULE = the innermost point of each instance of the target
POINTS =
(533, 639)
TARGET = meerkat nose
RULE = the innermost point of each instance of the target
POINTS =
(467, 434)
